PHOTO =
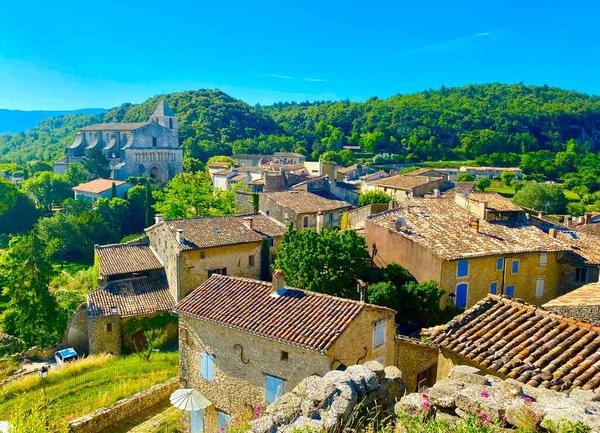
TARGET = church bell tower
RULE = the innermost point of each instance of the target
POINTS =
(165, 117)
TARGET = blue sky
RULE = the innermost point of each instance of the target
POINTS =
(76, 54)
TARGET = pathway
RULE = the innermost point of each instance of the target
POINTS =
(145, 421)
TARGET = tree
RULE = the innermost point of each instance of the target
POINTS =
(155, 339)
(507, 177)
(549, 198)
(96, 164)
(190, 195)
(483, 183)
(47, 189)
(76, 174)
(465, 177)
(326, 262)
(221, 158)
(17, 211)
(113, 190)
(376, 196)
(25, 274)
(115, 212)
(516, 185)
(137, 199)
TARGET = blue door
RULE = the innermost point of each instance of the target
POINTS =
(510, 291)
(197, 421)
(461, 295)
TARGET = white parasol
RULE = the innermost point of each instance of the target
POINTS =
(5, 426)
(189, 399)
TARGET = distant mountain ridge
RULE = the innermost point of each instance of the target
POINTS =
(14, 121)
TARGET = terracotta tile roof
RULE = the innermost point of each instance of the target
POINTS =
(115, 126)
(346, 170)
(248, 156)
(211, 232)
(494, 202)
(379, 173)
(304, 319)
(583, 244)
(117, 259)
(442, 226)
(522, 342)
(219, 165)
(265, 225)
(131, 297)
(303, 201)
(592, 228)
(584, 296)
(239, 178)
(482, 168)
(404, 182)
(289, 154)
(97, 186)
(420, 171)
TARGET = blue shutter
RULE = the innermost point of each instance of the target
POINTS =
(274, 388)
(510, 291)
(463, 268)
(494, 288)
(379, 337)
(222, 421)
(207, 366)
(203, 368)
(500, 264)
(515, 266)
(461, 295)
(197, 421)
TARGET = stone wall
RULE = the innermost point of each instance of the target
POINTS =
(585, 313)
(414, 357)
(355, 218)
(244, 202)
(106, 417)
(76, 335)
(327, 403)
(468, 392)
(105, 334)
(166, 247)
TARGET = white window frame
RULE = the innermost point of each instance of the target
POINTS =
(543, 259)
(541, 294)
(378, 325)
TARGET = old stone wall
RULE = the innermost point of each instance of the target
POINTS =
(76, 335)
(164, 243)
(355, 218)
(244, 202)
(105, 335)
(414, 357)
(106, 417)
(585, 313)
(328, 403)
(469, 392)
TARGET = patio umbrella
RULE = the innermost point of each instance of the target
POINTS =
(189, 399)
(4, 426)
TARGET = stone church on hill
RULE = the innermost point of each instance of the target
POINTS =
(149, 149)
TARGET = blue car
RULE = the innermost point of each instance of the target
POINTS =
(65, 355)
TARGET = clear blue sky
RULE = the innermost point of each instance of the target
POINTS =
(75, 54)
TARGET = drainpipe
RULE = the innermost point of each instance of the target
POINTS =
(504, 265)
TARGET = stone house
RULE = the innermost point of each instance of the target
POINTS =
(509, 338)
(132, 288)
(288, 158)
(101, 188)
(354, 172)
(402, 187)
(303, 209)
(471, 245)
(580, 304)
(491, 172)
(249, 160)
(149, 149)
(225, 179)
(244, 342)
(193, 249)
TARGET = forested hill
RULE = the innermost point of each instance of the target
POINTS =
(12, 121)
(450, 123)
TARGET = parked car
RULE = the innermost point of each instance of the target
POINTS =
(65, 355)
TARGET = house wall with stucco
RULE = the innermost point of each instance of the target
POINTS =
(414, 357)
(105, 335)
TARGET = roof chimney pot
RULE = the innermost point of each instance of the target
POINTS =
(158, 218)
(180, 237)
(277, 288)
(249, 222)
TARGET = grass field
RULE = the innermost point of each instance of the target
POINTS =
(69, 267)
(89, 384)
(501, 188)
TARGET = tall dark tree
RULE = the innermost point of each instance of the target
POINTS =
(96, 164)
(17, 211)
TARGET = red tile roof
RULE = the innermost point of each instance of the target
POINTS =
(304, 319)
(131, 297)
(97, 186)
(117, 259)
(526, 343)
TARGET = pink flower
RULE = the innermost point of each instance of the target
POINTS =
(478, 411)
(425, 396)
(257, 412)
(222, 430)
(426, 404)
(414, 412)
(484, 416)
(527, 400)
(485, 394)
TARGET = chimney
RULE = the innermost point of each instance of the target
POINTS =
(588, 218)
(567, 220)
(158, 218)
(552, 232)
(320, 221)
(474, 224)
(541, 214)
(249, 222)
(361, 286)
(277, 288)
(392, 204)
(180, 237)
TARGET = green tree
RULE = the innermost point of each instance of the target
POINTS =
(96, 164)
(25, 274)
(47, 189)
(376, 196)
(465, 177)
(549, 198)
(516, 185)
(327, 262)
(113, 190)
(17, 211)
(136, 197)
(115, 212)
(483, 183)
(507, 177)
(221, 158)
(155, 339)
(76, 174)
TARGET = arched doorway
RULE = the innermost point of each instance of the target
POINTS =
(155, 172)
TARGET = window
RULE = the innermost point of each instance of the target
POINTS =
(500, 264)
(268, 213)
(202, 255)
(272, 242)
(515, 266)
(170, 123)
(251, 260)
(153, 141)
(284, 355)
(331, 217)
(539, 288)
(207, 366)
(197, 421)
(379, 333)
(424, 379)
(543, 259)
(109, 327)
(274, 388)
(220, 271)
(494, 288)
(305, 222)
(462, 268)
(581, 275)
(510, 291)
(272, 258)
(462, 291)
(222, 421)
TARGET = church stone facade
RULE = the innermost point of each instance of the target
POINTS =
(149, 149)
